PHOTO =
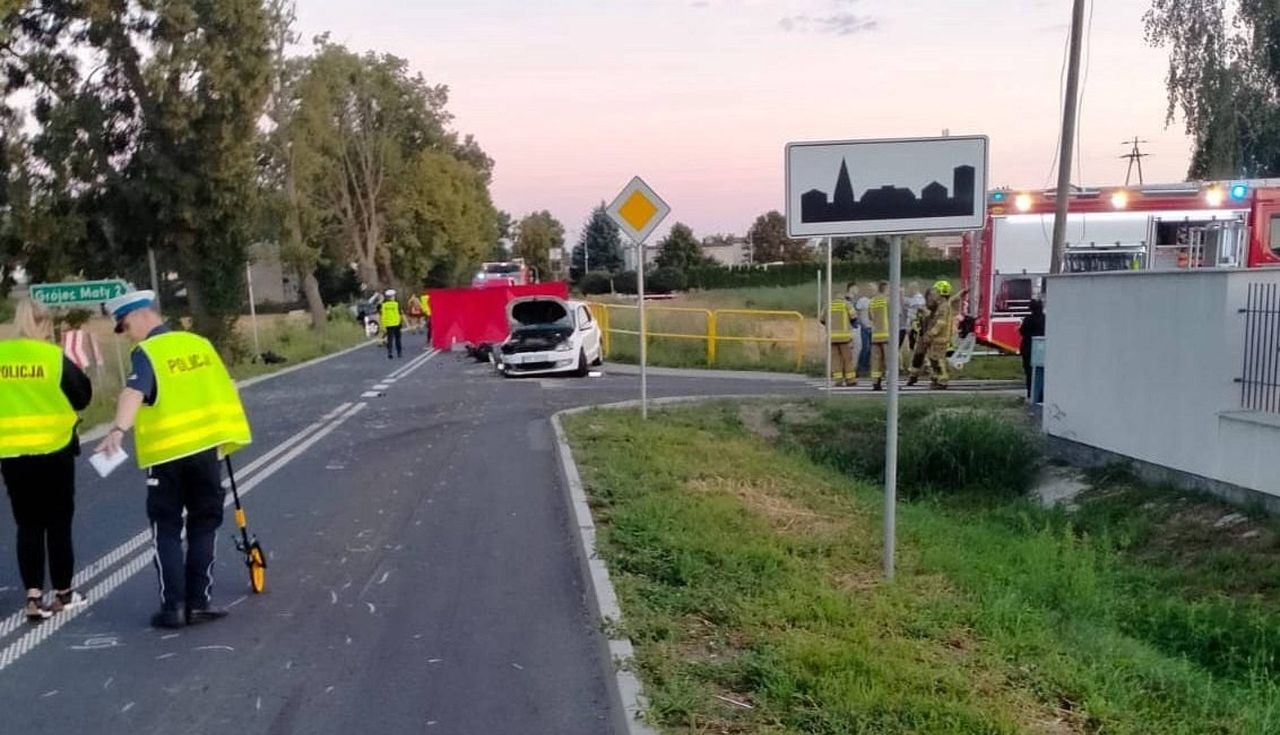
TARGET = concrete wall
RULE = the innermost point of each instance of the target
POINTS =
(271, 283)
(1144, 365)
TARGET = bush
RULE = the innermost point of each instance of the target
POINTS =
(665, 280)
(595, 282)
(966, 449)
(625, 283)
(794, 274)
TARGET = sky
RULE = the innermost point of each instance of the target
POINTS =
(699, 97)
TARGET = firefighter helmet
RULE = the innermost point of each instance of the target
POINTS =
(943, 288)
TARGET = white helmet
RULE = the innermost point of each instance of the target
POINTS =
(390, 293)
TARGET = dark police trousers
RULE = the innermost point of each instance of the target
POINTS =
(393, 335)
(193, 483)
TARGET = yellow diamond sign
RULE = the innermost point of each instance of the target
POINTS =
(638, 210)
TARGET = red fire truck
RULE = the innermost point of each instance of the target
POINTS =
(1220, 224)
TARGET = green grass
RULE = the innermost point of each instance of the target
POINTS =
(748, 570)
(295, 342)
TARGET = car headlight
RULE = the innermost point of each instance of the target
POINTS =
(565, 346)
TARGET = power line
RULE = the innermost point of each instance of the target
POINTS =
(1134, 156)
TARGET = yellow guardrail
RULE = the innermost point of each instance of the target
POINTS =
(712, 321)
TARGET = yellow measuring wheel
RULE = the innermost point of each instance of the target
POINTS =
(254, 557)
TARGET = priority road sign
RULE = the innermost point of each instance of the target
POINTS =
(77, 293)
(638, 211)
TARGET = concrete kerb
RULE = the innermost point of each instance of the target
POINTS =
(100, 430)
(624, 686)
(619, 368)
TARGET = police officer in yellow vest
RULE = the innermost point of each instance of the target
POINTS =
(40, 392)
(840, 331)
(879, 334)
(425, 301)
(184, 409)
(392, 323)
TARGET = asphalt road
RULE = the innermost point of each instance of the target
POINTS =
(421, 574)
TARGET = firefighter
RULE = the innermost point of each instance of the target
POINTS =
(939, 335)
(879, 318)
(392, 324)
(185, 411)
(425, 301)
(919, 328)
(840, 330)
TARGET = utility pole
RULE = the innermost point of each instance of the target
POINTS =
(1068, 137)
(1134, 157)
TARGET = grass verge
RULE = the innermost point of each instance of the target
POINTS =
(745, 549)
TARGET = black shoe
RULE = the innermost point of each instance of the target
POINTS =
(913, 380)
(878, 386)
(197, 615)
(167, 619)
(389, 357)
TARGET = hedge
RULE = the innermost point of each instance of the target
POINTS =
(793, 274)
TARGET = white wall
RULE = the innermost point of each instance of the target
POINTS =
(1144, 364)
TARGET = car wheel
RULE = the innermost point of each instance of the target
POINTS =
(599, 360)
(583, 365)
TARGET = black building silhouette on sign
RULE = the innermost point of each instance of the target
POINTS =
(890, 202)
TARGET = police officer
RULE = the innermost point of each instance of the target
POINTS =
(392, 323)
(40, 392)
(184, 409)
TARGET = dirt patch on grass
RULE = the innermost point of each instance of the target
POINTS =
(765, 497)
(766, 420)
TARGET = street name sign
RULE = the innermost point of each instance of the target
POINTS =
(77, 293)
(886, 187)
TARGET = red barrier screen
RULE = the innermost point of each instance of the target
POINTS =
(479, 315)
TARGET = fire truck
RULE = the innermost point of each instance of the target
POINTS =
(505, 273)
(1218, 224)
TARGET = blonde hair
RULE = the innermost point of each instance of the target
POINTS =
(32, 321)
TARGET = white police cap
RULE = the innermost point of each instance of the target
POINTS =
(122, 306)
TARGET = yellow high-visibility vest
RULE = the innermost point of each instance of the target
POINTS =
(839, 322)
(390, 313)
(879, 318)
(426, 304)
(197, 406)
(35, 415)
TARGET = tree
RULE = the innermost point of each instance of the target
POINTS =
(146, 121)
(445, 223)
(769, 243)
(1224, 77)
(600, 243)
(535, 235)
(680, 249)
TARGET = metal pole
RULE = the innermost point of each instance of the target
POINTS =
(155, 276)
(253, 313)
(1068, 138)
(891, 419)
(830, 298)
(644, 339)
(975, 267)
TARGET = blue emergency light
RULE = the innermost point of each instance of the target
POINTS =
(997, 196)
(1239, 192)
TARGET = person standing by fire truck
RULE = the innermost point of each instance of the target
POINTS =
(878, 312)
(939, 335)
(840, 333)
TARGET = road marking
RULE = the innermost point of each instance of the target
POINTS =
(413, 364)
(37, 635)
(381, 386)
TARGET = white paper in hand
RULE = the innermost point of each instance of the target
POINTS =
(105, 463)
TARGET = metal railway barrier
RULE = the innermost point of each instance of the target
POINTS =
(710, 326)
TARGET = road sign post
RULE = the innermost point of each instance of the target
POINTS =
(77, 293)
(638, 210)
(903, 193)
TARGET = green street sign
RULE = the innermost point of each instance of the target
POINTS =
(80, 293)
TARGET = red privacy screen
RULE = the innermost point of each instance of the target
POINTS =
(479, 315)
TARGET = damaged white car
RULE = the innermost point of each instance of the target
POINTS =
(550, 335)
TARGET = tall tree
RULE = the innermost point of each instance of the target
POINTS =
(1224, 78)
(769, 243)
(679, 249)
(600, 246)
(146, 116)
(535, 235)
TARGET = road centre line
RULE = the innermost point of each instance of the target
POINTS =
(405, 369)
(111, 558)
(26, 643)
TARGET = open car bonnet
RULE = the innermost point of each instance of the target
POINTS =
(539, 312)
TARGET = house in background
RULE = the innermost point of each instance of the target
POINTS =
(731, 250)
(947, 246)
(272, 282)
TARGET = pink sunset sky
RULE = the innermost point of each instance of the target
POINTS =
(573, 97)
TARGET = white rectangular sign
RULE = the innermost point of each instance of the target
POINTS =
(886, 187)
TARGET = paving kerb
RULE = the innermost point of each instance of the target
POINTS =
(100, 430)
(624, 686)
